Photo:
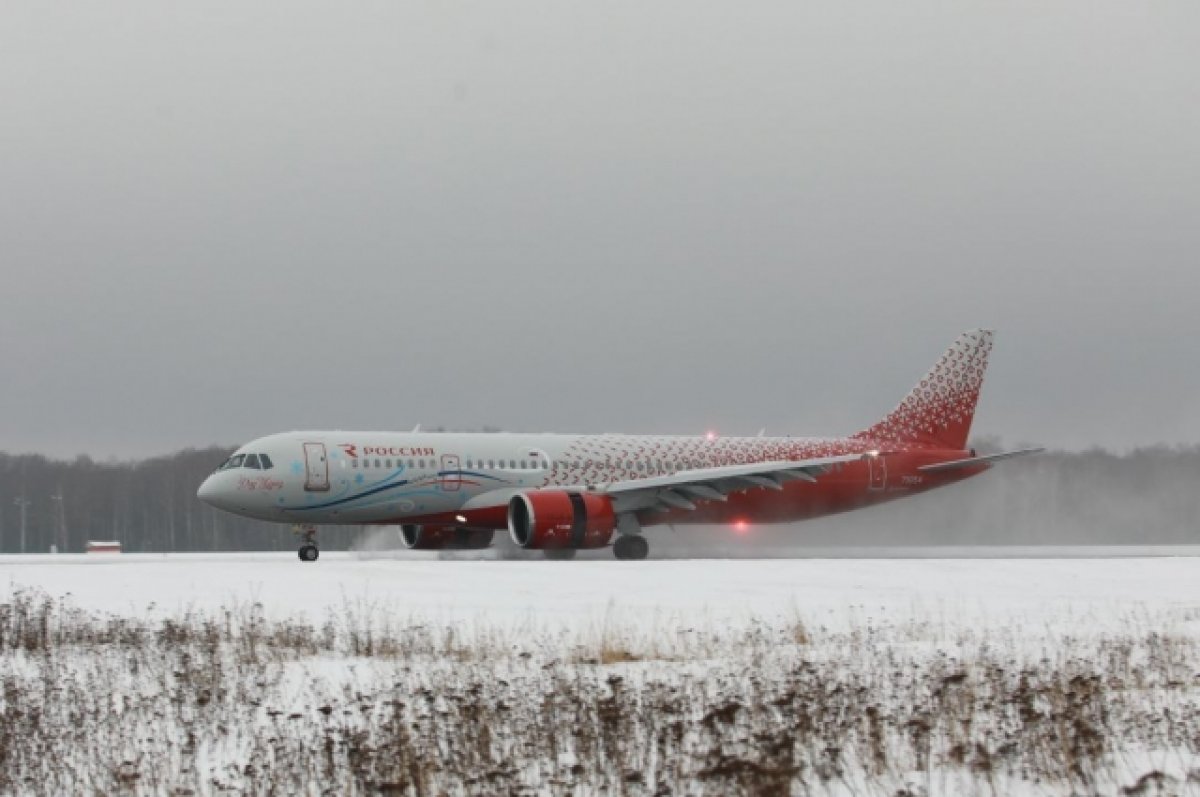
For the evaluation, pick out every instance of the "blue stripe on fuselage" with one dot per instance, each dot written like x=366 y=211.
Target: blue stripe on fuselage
x=379 y=488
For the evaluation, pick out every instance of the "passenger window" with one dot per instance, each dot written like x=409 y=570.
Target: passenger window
x=267 y=464
x=411 y=464
x=387 y=463
x=491 y=464
x=421 y=464
x=524 y=465
x=512 y=463
x=377 y=464
x=252 y=462
x=354 y=464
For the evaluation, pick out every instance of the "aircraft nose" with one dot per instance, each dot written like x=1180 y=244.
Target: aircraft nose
x=208 y=491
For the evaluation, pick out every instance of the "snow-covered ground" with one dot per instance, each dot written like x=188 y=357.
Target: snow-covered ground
x=1042 y=596
x=414 y=675
x=550 y=593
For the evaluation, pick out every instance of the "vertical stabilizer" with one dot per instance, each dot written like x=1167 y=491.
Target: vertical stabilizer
x=939 y=410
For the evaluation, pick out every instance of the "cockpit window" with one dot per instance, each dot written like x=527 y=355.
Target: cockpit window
x=252 y=462
x=267 y=464
x=233 y=462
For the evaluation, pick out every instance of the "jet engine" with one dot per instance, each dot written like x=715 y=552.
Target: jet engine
x=436 y=538
x=560 y=519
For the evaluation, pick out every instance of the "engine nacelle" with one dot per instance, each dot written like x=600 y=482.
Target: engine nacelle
x=437 y=538
x=560 y=519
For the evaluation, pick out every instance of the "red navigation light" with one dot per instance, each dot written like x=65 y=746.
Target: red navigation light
x=711 y=435
x=740 y=527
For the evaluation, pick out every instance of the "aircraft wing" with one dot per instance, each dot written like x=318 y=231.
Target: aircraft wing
x=682 y=489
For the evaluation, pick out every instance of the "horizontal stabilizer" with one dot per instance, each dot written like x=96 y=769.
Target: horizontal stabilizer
x=966 y=463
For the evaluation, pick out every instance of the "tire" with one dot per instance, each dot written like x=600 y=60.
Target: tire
x=308 y=553
x=630 y=547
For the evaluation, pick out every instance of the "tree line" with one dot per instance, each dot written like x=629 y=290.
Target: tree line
x=148 y=505
x=1145 y=496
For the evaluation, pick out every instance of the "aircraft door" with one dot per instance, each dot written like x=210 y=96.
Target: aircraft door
x=316 y=468
x=451 y=473
x=877 y=468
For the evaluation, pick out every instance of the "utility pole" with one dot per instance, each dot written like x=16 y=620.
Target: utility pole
x=23 y=504
x=62 y=519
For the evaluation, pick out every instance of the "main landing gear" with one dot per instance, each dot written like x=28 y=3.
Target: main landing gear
x=630 y=543
x=308 y=550
x=631 y=546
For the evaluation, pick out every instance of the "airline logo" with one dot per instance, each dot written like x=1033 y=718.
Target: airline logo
x=351 y=450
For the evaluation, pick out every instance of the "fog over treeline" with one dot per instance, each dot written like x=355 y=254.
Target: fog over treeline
x=1095 y=497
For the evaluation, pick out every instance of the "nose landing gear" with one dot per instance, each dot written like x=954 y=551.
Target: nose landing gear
x=308 y=550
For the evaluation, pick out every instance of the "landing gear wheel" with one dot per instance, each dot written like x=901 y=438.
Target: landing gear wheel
x=308 y=542
x=629 y=546
x=559 y=554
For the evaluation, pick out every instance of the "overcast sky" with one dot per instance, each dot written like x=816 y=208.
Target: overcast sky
x=220 y=220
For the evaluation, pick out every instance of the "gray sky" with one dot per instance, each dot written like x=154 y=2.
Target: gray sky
x=219 y=220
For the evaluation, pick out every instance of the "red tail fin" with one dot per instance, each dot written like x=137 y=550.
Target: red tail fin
x=939 y=410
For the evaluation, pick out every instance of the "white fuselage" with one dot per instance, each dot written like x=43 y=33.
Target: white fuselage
x=389 y=477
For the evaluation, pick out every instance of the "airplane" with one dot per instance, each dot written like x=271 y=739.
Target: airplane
x=560 y=493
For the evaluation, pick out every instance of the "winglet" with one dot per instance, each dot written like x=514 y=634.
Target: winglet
x=939 y=410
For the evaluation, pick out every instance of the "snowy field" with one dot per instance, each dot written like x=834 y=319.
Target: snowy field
x=544 y=593
x=398 y=674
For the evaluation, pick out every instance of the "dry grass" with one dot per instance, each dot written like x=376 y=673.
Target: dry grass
x=234 y=702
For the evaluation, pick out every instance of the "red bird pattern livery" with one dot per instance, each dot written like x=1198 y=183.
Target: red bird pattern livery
x=939 y=410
